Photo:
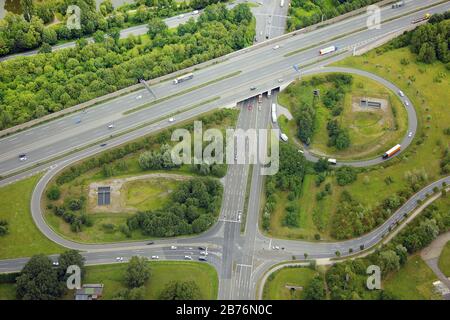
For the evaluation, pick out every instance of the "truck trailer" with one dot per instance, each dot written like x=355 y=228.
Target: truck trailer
x=183 y=78
x=327 y=50
x=392 y=151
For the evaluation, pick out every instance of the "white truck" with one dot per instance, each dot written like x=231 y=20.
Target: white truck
x=282 y=3
x=327 y=50
x=183 y=78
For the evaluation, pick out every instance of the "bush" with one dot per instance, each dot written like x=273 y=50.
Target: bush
x=53 y=193
x=345 y=175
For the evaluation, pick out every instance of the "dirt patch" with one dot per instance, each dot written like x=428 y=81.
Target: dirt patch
x=117 y=205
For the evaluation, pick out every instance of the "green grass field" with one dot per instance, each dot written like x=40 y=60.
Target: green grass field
x=149 y=194
x=444 y=260
x=24 y=239
x=412 y=282
x=162 y=272
x=7 y=291
x=275 y=286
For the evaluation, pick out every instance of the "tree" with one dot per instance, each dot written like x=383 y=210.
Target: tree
x=389 y=261
x=38 y=280
x=427 y=53
x=3 y=227
x=181 y=290
x=315 y=290
x=138 y=272
x=53 y=193
x=345 y=175
x=156 y=26
x=27 y=9
x=69 y=258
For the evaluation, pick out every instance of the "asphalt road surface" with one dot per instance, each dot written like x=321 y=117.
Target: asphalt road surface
x=263 y=67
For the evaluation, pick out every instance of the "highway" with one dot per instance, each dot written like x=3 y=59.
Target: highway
x=240 y=258
x=262 y=67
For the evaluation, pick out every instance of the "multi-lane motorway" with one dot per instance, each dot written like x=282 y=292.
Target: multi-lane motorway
x=240 y=258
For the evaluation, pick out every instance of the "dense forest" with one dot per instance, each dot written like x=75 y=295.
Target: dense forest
x=38 y=24
x=289 y=178
x=31 y=87
x=193 y=208
x=304 y=13
x=429 y=41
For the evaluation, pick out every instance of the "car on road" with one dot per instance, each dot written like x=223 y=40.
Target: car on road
x=280 y=80
x=138 y=97
x=171 y=119
x=103 y=145
x=119 y=259
x=406 y=103
x=181 y=16
x=78 y=120
x=276 y=47
x=410 y=134
x=201 y=248
x=276 y=248
x=195 y=12
x=187 y=258
x=173 y=248
x=151 y=242
x=204 y=253
x=250 y=107
x=155 y=257
x=110 y=126
x=252 y=88
x=400 y=92
x=202 y=258
x=284 y=137
x=23 y=157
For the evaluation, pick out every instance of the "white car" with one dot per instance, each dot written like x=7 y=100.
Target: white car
x=280 y=80
x=155 y=257
x=23 y=157
x=195 y=12
x=119 y=259
x=406 y=103
x=171 y=119
x=187 y=258
x=110 y=126
x=284 y=137
x=400 y=92
x=276 y=47
x=173 y=248
x=138 y=97
x=204 y=253
x=410 y=134
x=276 y=248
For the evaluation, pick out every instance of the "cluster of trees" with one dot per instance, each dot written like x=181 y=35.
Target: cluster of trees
x=3 y=227
x=346 y=175
x=337 y=136
x=428 y=41
x=40 y=280
x=29 y=30
x=292 y=169
x=215 y=169
x=445 y=162
x=193 y=208
x=347 y=280
x=73 y=212
x=181 y=290
x=157 y=160
x=304 y=13
x=31 y=87
x=136 y=275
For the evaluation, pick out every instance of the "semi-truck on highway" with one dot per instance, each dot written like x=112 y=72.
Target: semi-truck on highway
x=183 y=78
x=425 y=17
x=274 y=112
x=327 y=50
x=282 y=3
x=392 y=151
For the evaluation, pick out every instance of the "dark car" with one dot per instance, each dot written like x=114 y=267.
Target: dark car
x=151 y=242
x=103 y=145
x=202 y=248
